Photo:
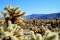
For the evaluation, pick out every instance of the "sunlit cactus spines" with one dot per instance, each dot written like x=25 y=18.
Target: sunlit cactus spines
x=14 y=14
x=39 y=37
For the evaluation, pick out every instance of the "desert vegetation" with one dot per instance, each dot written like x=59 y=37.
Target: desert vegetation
x=14 y=27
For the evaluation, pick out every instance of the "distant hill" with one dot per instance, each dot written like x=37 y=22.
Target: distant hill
x=43 y=16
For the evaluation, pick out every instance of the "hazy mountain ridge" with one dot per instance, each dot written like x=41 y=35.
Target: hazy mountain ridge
x=44 y=16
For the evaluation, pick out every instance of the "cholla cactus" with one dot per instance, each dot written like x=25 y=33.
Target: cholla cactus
x=11 y=27
x=33 y=37
x=1 y=32
x=15 y=14
x=9 y=34
x=39 y=37
x=51 y=36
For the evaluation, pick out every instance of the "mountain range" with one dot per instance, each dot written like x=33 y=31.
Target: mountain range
x=43 y=16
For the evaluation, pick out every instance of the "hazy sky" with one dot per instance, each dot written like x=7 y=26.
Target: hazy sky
x=34 y=6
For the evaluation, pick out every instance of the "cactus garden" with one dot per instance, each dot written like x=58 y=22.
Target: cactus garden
x=15 y=27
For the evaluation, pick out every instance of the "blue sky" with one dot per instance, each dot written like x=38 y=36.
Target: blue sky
x=33 y=6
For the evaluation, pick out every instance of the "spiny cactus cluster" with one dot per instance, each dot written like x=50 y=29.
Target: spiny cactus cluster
x=14 y=15
x=18 y=34
x=10 y=30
